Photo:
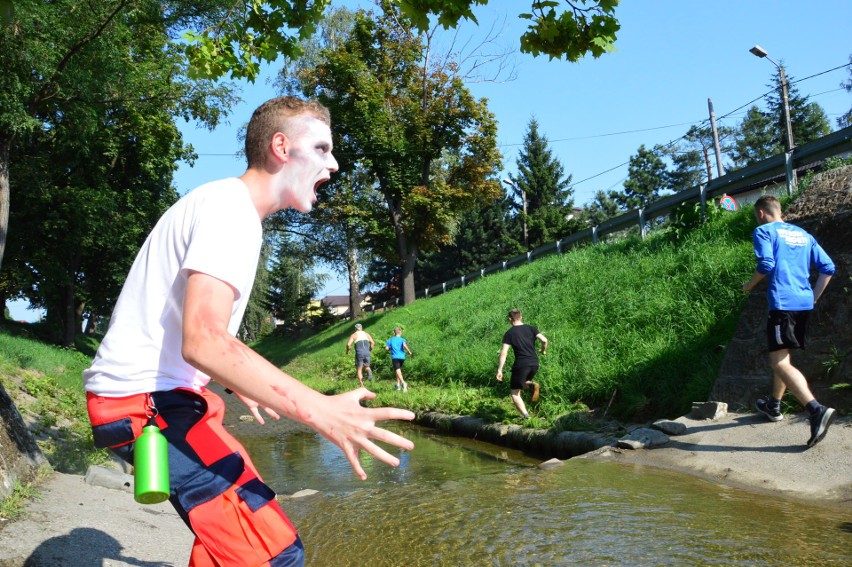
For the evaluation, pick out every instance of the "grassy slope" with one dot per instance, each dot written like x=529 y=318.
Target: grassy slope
x=46 y=383
x=637 y=319
x=635 y=322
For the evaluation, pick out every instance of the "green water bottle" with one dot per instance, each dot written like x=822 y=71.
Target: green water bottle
x=151 y=466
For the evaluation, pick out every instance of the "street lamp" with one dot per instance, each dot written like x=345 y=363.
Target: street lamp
x=524 y=201
x=760 y=52
x=788 y=141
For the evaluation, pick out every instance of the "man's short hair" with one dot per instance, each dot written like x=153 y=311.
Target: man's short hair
x=769 y=204
x=359 y=326
x=515 y=315
x=274 y=116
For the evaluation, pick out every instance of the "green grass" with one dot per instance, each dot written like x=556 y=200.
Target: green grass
x=636 y=322
x=13 y=506
x=47 y=382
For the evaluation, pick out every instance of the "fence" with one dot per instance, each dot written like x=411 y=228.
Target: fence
x=753 y=176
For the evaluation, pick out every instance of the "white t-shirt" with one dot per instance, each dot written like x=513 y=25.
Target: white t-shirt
x=214 y=229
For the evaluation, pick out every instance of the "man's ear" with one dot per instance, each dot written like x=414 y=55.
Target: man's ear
x=280 y=145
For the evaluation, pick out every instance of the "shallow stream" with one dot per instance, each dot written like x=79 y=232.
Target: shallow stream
x=459 y=502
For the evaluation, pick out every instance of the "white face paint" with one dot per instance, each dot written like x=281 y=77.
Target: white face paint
x=310 y=162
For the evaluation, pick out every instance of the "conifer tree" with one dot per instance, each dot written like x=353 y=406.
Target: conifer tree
x=808 y=119
x=646 y=176
x=762 y=133
x=754 y=140
x=548 y=195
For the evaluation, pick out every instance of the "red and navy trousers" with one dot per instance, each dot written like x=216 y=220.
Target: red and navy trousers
x=214 y=485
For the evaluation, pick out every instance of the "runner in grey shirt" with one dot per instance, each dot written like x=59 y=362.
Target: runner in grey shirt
x=363 y=345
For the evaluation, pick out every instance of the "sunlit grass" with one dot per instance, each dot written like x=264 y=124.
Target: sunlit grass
x=633 y=322
x=49 y=381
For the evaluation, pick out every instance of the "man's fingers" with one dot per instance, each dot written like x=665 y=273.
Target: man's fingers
x=392 y=438
x=363 y=393
x=257 y=415
x=386 y=414
x=380 y=454
x=352 y=456
x=271 y=413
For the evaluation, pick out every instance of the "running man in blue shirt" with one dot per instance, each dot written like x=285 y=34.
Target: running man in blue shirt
x=398 y=347
x=785 y=254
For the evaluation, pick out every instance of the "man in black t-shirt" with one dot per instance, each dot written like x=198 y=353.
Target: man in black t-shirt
x=521 y=338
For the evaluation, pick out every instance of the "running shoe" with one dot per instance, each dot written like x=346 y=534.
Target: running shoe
x=773 y=413
x=820 y=422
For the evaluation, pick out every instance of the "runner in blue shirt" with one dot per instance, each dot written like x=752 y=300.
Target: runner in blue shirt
x=398 y=347
x=785 y=254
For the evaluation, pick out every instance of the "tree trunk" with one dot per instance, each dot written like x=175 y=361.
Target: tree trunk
x=407 y=254
x=5 y=149
x=407 y=276
x=91 y=324
x=352 y=267
x=69 y=318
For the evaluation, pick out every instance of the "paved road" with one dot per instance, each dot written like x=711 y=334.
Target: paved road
x=75 y=524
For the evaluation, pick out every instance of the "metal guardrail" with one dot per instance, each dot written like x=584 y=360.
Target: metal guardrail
x=755 y=175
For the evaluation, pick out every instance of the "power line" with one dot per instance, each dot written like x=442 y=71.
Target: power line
x=640 y=130
x=706 y=120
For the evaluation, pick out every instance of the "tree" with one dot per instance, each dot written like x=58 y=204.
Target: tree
x=604 y=206
x=408 y=120
x=754 y=140
x=258 y=320
x=808 y=119
x=762 y=134
x=71 y=71
x=343 y=224
x=549 y=197
x=691 y=157
x=480 y=238
x=255 y=31
x=646 y=177
x=88 y=190
x=293 y=285
x=343 y=227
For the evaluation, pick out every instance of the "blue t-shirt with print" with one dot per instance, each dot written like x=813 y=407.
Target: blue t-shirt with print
x=785 y=255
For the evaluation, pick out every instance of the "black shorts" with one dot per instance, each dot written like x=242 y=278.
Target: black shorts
x=786 y=329
x=397 y=363
x=522 y=375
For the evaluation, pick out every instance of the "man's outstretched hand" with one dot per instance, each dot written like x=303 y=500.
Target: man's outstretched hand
x=345 y=422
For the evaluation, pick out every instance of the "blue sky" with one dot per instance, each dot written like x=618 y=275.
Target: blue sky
x=671 y=56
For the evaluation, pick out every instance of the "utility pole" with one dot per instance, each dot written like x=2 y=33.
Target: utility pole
x=719 y=168
x=787 y=121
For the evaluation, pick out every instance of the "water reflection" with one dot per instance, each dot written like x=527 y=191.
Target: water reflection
x=460 y=502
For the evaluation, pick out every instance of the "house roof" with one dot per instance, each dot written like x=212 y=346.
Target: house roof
x=336 y=300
